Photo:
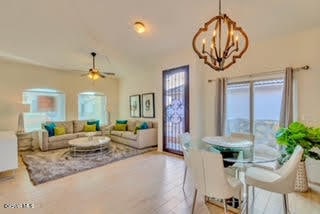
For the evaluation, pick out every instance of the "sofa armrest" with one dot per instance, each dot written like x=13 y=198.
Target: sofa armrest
x=43 y=139
x=147 y=137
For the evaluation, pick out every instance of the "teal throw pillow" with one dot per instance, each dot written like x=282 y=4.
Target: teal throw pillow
x=95 y=122
x=144 y=126
x=121 y=121
x=50 y=128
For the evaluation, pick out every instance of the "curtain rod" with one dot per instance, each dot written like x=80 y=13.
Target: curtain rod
x=306 y=67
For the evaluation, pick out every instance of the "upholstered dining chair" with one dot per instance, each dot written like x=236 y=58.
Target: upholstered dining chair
x=209 y=178
x=280 y=181
x=185 y=142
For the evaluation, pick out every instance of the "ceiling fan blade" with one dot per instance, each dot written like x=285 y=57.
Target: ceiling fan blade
x=109 y=73
x=101 y=75
x=86 y=74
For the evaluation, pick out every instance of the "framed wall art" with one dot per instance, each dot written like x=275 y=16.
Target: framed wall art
x=134 y=102
x=148 y=105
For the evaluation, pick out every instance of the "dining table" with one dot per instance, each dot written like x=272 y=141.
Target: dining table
x=238 y=154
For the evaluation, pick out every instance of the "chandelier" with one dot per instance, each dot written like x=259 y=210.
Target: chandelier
x=222 y=42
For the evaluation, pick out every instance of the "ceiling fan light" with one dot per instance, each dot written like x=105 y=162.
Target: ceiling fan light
x=139 y=27
x=95 y=76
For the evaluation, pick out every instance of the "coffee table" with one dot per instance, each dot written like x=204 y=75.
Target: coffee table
x=85 y=145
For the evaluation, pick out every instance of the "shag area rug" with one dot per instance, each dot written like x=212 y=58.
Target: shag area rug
x=51 y=165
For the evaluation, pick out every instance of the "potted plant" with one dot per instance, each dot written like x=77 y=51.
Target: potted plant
x=309 y=139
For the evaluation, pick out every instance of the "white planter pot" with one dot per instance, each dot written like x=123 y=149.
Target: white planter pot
x=301 y=184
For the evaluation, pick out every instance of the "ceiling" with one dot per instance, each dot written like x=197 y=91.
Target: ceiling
x=62 y=33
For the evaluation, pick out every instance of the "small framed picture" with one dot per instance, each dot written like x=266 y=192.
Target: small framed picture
x=134 y=102
x=148 y=105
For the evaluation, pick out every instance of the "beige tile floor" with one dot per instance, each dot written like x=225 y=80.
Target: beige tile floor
x=148 y=183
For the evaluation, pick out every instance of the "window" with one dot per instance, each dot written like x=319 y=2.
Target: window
x=254 y=107
x=92 y=106
x=45 y=105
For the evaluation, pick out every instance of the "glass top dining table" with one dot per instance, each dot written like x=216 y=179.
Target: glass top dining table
x=236 y=150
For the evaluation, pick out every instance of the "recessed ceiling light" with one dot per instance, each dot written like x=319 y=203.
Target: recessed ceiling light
x=139 y=27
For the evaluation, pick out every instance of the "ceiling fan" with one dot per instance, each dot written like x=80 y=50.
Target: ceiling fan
x=94 y=73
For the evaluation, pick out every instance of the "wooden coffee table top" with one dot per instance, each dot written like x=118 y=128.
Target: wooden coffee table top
x=83 y=142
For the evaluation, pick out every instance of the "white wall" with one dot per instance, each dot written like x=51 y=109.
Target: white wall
x=16 y=77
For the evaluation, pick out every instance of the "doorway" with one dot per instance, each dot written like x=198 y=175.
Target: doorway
x=175 y=107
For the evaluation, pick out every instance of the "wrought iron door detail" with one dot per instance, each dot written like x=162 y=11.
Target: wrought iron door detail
x=175 y=107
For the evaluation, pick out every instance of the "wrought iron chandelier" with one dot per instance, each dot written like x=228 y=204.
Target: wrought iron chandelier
x=222 y=51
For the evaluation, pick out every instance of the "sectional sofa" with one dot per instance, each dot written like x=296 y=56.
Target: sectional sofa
x=74 y=129
x=141 y=139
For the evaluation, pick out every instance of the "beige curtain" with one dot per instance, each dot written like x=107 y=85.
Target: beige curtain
x=221 y=105
x=286 y=115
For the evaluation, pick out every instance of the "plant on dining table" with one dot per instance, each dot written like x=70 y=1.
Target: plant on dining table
x=299 y=134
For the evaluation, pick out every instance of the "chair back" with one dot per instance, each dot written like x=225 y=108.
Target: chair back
x=197 y=170
x=185 y=142
x=288 y=171
x=216 y=182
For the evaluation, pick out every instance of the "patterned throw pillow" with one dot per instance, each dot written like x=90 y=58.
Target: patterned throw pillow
x=120 y=127
x=50 y=128
x=59 y=130
x=90 y=128
x=95 y=122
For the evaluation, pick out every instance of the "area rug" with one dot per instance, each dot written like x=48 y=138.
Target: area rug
x=51 y=165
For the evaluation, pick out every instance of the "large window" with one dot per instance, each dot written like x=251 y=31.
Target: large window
x=45 y=105
x=92 y=106
x=254 y=107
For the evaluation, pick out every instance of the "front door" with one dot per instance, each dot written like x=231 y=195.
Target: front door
x=175 y=107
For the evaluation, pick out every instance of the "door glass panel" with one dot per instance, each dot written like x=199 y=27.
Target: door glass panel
x=267 y=106
x=238 y=108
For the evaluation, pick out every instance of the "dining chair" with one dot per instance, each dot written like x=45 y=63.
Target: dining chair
x=185 y=142
x=280 y=181
x=209 y=178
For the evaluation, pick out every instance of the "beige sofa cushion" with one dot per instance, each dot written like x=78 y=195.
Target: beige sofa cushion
x=62 y=137
x=131 y=125
x=129 y=135
x=68 y=125
x=116 y=133
x=84 y=134
x=78 y=125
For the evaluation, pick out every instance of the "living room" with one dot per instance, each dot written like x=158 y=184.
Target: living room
x=40 y=50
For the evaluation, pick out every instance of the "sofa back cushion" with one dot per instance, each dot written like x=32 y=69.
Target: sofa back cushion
x=78 y=125
x=131 y=125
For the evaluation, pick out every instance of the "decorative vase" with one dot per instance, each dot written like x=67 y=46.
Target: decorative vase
x=301 y=184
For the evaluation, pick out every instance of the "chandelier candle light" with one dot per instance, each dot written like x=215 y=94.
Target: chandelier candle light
x=223 y=51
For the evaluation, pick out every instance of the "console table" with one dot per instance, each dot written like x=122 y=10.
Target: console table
x=8 y=151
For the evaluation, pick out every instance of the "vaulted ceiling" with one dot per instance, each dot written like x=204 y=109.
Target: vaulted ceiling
x=62 y=33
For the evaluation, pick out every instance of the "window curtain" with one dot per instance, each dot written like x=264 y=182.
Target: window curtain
x=221 y=105
x=286 y=115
